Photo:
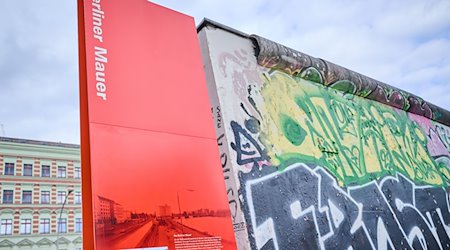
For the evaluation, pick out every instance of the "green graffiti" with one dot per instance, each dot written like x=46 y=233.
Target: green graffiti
x=312 y=74
x=358 y=140
x=293 y=132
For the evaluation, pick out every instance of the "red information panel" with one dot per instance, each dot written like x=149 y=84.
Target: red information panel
x=152 y=178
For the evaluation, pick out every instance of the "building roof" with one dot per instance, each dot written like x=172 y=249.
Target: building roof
x=36 y=142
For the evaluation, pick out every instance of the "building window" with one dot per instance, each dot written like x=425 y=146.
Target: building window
x=77 y=197
x=26 y=197
x=27 y=170
x=78 y=225
x=8 y=196
x=25 y=226
x=61 y=172
x=62 y=225
x=77 y=173
x=9 y=168
x=6 y=227
x=45 y=171
x=61 y=196
x=44 y=227
x=45 y=197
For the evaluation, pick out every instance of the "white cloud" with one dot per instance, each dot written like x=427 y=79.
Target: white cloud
x=38 y=70
x=414 y=19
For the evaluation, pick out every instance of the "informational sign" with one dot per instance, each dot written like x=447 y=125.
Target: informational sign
x=152 y=177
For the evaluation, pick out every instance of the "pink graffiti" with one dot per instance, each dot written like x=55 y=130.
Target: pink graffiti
x=260 y=164
x=242 y=71
x=434 y=144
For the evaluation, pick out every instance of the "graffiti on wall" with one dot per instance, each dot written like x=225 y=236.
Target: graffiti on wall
x=356 y=139
x=278 y=57
x=313 y=211
x=382 y=178
x=327 y=158
x=238 y=223
x=292 y=118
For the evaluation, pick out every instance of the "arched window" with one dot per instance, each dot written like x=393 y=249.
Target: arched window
x=44 y=221
x=6 y=221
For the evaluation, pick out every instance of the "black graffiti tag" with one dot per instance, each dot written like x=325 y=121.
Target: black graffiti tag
x=303 y=207
x=247 y=149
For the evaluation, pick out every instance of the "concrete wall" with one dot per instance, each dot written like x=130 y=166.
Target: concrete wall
x=317 y=156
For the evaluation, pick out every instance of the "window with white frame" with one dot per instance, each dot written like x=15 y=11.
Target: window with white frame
x=61 y=172
x=45 y=170
x=6 y=227
x=27 y=170
x=8 y=196
x=78 y=225
x=44 y=226
x=77 y=173
x=62 y=225
x=9 y=168
x=26 y=196
x=25 y=226
x=61 y=196
x=77 y=198
x=45 y=197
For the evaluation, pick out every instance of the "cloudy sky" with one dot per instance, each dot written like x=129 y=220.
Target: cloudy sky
x=402 y=43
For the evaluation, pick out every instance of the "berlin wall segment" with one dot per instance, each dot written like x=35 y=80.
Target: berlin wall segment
x=316 y=156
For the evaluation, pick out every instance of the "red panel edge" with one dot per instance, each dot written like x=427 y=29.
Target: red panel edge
x=86 y=184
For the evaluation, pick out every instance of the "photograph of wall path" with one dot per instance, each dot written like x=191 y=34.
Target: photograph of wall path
x=316 y=156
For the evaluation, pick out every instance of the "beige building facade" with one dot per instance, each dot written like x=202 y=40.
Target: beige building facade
x=40 y=190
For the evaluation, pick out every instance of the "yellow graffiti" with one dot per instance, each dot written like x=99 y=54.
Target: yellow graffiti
x=356 y=139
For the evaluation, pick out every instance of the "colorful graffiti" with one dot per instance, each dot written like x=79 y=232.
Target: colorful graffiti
x=323 y=157
x=382 y=176
x=278 y=57
x=356 y=139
